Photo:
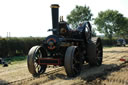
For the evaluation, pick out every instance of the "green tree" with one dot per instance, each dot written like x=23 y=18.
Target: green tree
x=110 y=22
x=79 y=14
x=124 y=31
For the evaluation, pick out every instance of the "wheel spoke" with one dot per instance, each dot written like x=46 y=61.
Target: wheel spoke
x=75 y=67
x=40 y=54
x=38 y=67
x=35 y=64
x=76 y=63
x=97 y=45
x=36 y=56
x=76 y=70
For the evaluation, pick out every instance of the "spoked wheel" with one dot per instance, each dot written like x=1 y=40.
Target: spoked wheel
x=95 y=52
x=34 y=54
x=73 y=62
x=99 y=52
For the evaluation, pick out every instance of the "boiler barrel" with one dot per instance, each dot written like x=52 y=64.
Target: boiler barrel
x=55 y=15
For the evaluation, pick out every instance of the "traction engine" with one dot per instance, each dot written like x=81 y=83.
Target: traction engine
x=65 y=47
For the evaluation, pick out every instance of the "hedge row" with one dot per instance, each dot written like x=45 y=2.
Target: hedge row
x=21 y=46
x=17 y=46
x=113 y=42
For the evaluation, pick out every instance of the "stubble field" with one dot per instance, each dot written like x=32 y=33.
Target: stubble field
x=113 y=71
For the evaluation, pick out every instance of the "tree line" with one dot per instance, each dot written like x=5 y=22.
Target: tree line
x=110 y=22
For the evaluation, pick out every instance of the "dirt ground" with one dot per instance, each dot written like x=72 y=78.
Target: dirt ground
x=113 y=71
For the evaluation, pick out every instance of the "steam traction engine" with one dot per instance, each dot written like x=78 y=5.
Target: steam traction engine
x=65 y=48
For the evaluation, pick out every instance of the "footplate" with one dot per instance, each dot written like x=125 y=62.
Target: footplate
x=49 y=61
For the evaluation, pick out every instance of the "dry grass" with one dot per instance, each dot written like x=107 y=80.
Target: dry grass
x=110 y=73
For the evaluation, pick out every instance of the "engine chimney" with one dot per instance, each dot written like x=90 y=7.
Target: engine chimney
x=55 y=15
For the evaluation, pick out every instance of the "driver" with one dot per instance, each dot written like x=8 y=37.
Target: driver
x=80 y=28
x=86 y=28
x=83 y=25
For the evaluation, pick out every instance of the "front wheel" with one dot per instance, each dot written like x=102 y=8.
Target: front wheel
x=72 y=62
x=34 y=54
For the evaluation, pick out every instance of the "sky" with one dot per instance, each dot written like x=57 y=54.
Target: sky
x=24 y=18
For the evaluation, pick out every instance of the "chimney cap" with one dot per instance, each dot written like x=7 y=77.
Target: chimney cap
x=55 y=6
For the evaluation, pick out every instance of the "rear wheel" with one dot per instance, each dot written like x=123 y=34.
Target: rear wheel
x=95 y=52
x=99 y=52
x=87 y=31
x=72 y=61
x=34 y=54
